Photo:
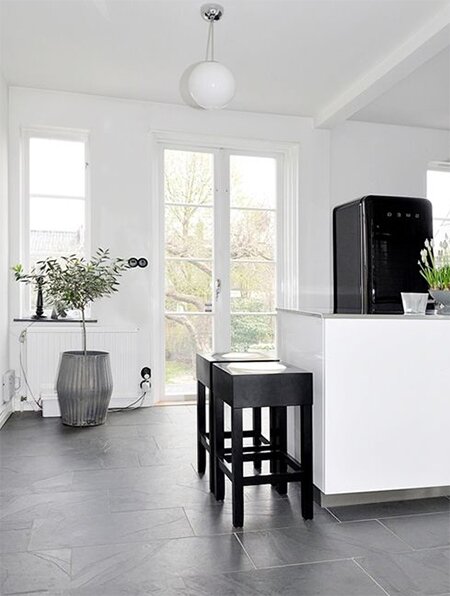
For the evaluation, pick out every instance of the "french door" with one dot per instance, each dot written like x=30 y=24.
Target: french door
x=220 y=225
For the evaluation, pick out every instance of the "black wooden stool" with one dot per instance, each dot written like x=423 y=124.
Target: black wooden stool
x=205 y=441
x=241 y=387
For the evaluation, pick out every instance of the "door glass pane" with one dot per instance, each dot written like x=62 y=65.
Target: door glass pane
x=252 y=287
x=252 y=234
x=188 y=177
x=253 y=333
x=57 y=167
x=189 y=240
x=185 y=336
x=253 y=181
x=188 y=286
x=189 y=231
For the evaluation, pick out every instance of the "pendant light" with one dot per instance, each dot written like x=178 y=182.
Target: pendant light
x=211 y=84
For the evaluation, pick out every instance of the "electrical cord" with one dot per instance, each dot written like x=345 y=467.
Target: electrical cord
x=22 y=337
x=130 y=406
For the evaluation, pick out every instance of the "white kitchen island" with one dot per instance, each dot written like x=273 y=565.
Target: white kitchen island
x=381 y=402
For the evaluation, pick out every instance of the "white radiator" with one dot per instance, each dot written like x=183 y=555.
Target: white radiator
x=43 y=347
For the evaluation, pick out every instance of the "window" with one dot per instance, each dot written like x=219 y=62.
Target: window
x=438 y=192
x=57 y=195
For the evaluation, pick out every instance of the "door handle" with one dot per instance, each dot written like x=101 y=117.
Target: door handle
x=218 y=288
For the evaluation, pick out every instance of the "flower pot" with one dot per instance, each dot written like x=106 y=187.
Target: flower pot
x=84 y=387
x=442 y=297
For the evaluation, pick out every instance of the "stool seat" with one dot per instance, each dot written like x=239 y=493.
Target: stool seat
x=291 y=386
x=204 y=362
x=253 y=387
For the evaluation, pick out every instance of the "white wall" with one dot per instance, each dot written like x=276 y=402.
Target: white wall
x=4 y=356
x=121 y=187
x=357 y=158
x=369 y=158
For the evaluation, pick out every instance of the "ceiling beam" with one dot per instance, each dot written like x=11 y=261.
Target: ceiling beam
x=425 y=43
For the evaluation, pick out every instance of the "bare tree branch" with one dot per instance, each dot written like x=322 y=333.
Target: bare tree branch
x=199 y=304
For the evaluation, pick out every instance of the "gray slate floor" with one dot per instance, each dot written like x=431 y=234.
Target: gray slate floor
x=120 y=510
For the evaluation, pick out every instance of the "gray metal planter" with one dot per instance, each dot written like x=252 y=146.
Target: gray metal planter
x=442 y=297
x=84 y=387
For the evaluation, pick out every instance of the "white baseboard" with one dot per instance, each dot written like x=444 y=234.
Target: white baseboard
x=5 y=413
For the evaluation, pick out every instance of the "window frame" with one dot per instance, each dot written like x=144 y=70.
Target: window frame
x=24 y=216
x=437 y=167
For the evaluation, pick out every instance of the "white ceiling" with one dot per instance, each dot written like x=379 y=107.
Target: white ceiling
x=288 y=56
x=421 y=99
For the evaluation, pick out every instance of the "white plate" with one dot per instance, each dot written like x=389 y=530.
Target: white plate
x=242 y=355
x=257 y=367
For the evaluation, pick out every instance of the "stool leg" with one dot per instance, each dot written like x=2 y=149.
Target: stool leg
x=201 y=427
x=256 y=414
x=306 y=461
x=257 y=429
x=237 y=463
x=281 y=414
x=273 y=436
x=219 y=443
x=212 y=456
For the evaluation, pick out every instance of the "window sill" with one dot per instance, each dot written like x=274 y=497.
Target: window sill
x=50 y=320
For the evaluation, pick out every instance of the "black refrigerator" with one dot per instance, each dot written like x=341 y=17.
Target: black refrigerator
x=376 y=247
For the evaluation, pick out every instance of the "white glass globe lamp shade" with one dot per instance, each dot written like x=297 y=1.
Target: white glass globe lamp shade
x=211 y=85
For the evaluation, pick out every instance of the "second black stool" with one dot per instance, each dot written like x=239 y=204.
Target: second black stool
x=205 y=441
x=240 y=387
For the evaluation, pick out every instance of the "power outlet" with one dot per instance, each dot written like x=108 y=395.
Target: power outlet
x=8 y=386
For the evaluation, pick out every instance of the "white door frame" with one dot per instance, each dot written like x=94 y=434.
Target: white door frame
x=287 y=155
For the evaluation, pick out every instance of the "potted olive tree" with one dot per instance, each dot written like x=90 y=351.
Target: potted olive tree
x=84 y=384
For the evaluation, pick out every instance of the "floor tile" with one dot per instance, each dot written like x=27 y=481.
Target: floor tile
x=35 y=481
x=422 y=531
x=14 y=541
x=168 y=486
x=147 y=568
x=132 y=478
x=19 y=511
x=150 y=415
x=185 y=413
x=275 y=513
x=33 y=572
x=424 y=573
x=319 y=542
x=173 y=436
x=166 y=457
x=21 y=421
x=263 y=492
x=63 y=438
x=180 y=495
x=63 y=529
x=112 y=451
x=338 y=578
x=391 y=509
x=304 y=580
x=39 y=467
